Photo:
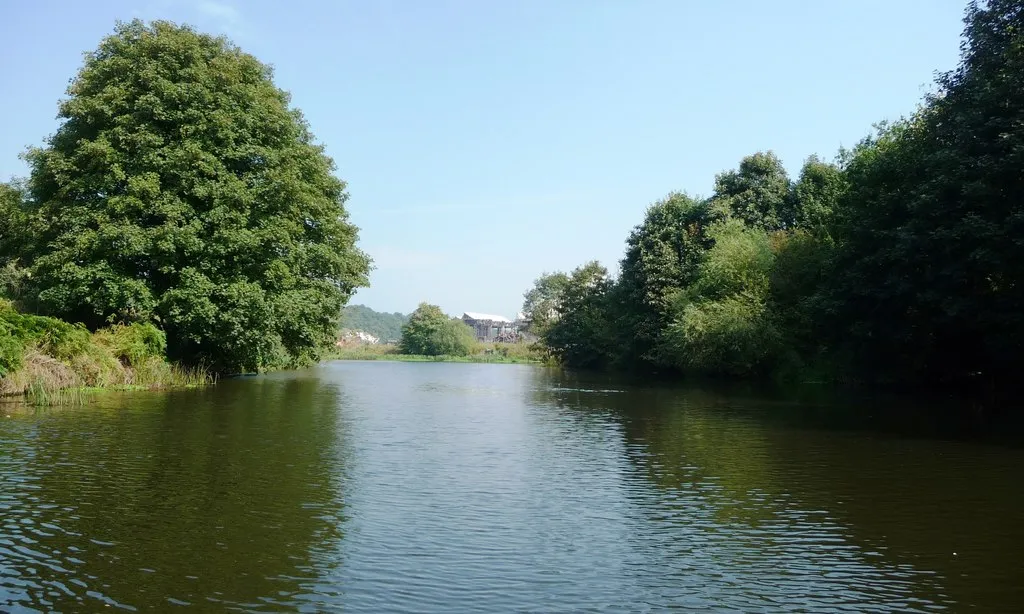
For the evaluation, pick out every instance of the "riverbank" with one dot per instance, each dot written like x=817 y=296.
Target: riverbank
x=501 y=353
x=51 y=361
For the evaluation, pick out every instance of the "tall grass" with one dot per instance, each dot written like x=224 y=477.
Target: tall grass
x=53 y=362
x=512 y=353
x=363 y=351
x=44 y=380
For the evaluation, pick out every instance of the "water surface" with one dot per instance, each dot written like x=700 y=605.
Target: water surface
x=416 y=487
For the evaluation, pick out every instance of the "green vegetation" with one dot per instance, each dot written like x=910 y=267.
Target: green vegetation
x=541 y=302
x=901 y=263
x=40 y=356
x=182 y=208
x=387 y=327
x=431 y=333
x=181 y=190
x=503 y=353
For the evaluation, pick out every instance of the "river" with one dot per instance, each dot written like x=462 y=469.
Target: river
x=412 y=487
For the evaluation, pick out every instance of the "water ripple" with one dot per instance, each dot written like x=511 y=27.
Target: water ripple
x=376 y=487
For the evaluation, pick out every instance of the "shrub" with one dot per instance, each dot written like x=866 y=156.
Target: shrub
x=431 y=333
x=133 y=343
x=11 y=350
x=53 y=337
x=730 y=336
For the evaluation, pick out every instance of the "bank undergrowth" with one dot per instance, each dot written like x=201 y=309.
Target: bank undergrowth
x=46 y=359
x=505 y=353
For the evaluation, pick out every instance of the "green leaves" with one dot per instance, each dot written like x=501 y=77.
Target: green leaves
x=430 y=332
x=816 y=194
x=14 y=222
x=757 y=193
x=929 y=277
x=540 y=303
x=904 y=262
x=387 y=327
x=582 y=334
x=663 y=255
x=181 y=189
x=728 y=336
x=720 y=322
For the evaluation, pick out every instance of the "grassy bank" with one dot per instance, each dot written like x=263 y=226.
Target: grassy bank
x=49 y=360
x=506 y=353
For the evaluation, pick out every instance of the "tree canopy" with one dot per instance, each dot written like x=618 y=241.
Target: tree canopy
x=13 y=222
x=181 y=189
x=758 y=192
x=385 y=326
x=540 y=303
x=582 y=334
x=662 y=255
x=901 y=262
x=930 y=265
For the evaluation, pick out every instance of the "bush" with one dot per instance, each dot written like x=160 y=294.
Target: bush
x=132 y=344
x=431 y=333
x=53 y=337
x=41 y=355
x=11 y=350
x=730 y=336
x=740 y=261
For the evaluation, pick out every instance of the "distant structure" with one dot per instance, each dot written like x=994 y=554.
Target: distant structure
x=350 y=337
x=491 y=328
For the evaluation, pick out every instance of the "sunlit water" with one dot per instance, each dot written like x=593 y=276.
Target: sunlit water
x=392 y=487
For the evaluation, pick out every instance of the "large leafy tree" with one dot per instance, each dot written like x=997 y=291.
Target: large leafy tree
x=931 y=256
x=181 y=189
x=540 y=303
x=663 y=255
x=582 y=334
x=758 y=192
x=15 y=239
x=14 y=232
x=816 y=194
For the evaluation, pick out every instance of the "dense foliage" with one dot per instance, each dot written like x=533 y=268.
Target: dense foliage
x=901 y=262
x=581 y=335
x=384 y=326
x=930 y=265
x=540 y=304
x=662 y=255
x=39 y=355
x=429 y=332
x=181 y=190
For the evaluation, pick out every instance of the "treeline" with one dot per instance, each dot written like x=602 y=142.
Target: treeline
x=40 y=355
x=384 y=326
x=902 y=261
x=183 y=197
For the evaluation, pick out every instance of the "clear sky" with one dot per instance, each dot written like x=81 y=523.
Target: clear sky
x=487 y=141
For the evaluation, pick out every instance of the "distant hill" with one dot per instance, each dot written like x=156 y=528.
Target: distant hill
x=384 y=326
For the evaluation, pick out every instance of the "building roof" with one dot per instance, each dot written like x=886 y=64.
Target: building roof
x=485 y=316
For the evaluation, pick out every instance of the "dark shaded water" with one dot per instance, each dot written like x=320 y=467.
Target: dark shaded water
x=391 y=487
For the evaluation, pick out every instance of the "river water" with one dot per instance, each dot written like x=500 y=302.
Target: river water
x=410 y=487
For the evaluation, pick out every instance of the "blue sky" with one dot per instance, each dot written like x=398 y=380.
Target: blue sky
x=485 y=142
